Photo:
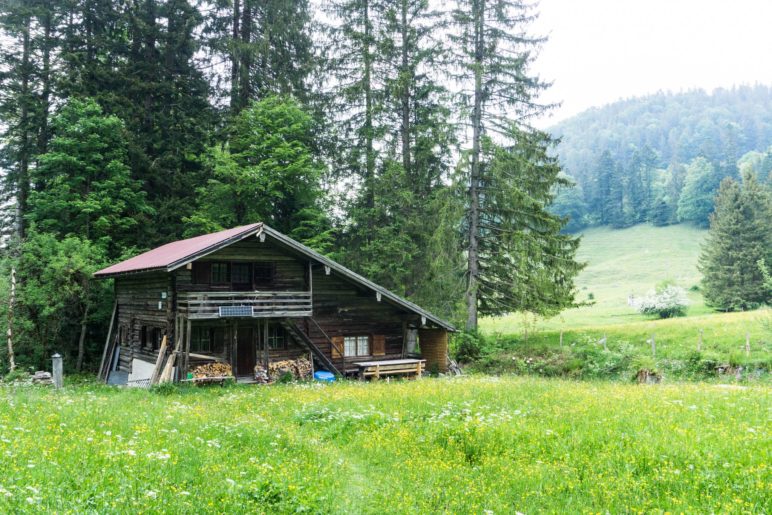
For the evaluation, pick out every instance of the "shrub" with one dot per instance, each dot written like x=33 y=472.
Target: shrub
x=16 y=375
x=468 y=347
x=666 y=302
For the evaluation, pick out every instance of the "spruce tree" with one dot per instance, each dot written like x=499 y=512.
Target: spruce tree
x=391 y=228
x=492 y=52
x=740 y=236
x=266 y=46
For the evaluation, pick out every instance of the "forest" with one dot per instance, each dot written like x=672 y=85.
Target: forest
x=393 y=135
x=661 y=158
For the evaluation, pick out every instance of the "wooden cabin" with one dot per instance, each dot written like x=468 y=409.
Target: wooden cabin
x=251 y=295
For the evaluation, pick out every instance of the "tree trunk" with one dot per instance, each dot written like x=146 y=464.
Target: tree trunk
x=245 y=57
x=473 y=272
x=82 y=339
x=368 y=126
x=235 y=56
x=11 y=305
x=406 y=76
x=22 y=187
x=45 y=79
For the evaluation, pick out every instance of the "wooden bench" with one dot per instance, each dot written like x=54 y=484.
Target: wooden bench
x=377 y=369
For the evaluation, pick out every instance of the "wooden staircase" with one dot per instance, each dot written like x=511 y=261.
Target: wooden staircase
x=302 y=338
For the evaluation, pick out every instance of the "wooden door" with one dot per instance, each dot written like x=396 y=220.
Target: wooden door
x=245 y=352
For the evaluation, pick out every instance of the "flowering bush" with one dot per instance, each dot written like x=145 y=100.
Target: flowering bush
x=666 y=302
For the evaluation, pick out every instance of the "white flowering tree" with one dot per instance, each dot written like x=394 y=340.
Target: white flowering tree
x=666 y=302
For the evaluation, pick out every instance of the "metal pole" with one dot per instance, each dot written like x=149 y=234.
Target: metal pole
x=57 y=370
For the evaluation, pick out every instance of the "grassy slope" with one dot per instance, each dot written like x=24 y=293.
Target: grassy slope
x=461 y=446
x=634 y=260
x=621 y=262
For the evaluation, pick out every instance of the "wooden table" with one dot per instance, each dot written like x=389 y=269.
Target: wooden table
x=389 y=367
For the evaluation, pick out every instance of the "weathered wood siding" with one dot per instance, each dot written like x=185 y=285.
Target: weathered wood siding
x=138 y=297
x=290 y=273
x=340 y=307
x=344 y=309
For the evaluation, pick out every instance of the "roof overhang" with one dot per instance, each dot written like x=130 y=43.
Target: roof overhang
x=261 y=230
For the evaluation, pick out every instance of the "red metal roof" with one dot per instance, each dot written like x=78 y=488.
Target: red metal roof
x=165 y=256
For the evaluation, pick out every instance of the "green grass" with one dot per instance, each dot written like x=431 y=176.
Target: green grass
x=620 y=263
x=465 y=445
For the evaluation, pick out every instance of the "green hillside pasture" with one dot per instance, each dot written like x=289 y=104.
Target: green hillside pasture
x=628 y=346
x=620 y=263
x=465 y=445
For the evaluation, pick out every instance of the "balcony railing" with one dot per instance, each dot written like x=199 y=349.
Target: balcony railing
x=252 y=304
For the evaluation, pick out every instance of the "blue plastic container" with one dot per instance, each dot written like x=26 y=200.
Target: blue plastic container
x=323 y=375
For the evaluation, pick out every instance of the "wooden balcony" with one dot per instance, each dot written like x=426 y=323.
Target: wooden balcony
x=248 y=304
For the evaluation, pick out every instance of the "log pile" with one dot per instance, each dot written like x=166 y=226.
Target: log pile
x=42 y=377
x=212 y=370
x=646 y=376
x=298 y=369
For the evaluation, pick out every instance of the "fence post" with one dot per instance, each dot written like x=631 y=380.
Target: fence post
x=57 y=370
x=699 y=342
x=747 y=343
x=653 y=346
x=561 y=339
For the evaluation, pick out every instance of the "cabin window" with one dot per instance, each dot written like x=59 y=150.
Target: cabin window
x=220 y=273
x=201 y=273
x=356 y=346
x=240 y=275
x=276 y=338
x=264 y=274
x=207 y=339
x=144 y=337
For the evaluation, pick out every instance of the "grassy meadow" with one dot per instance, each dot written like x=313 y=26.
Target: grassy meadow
x=462 y=445
x=620 y=263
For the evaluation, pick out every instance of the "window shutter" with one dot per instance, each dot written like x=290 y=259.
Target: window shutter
x=337 y=347
x=379 y=345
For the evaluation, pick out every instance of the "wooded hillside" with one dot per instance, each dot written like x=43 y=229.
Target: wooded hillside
x=661 y=158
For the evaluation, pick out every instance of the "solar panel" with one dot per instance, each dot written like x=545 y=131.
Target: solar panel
x=235 y=311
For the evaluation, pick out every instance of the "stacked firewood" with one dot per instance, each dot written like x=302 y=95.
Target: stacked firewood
x=261 y=374
x=212 y=370
x=298 y=369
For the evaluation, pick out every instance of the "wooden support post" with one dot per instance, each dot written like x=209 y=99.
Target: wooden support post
x=561 y=339
x=265 y=343
x=653 y=346
x=377 y=372
x=699 y=342
x=747 y=343
x=188 y=330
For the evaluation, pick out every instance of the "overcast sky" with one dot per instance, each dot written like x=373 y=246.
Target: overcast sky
x=602 y=50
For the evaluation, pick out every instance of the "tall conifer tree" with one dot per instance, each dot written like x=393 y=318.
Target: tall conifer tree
x=493 y=52
x=740 y=236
